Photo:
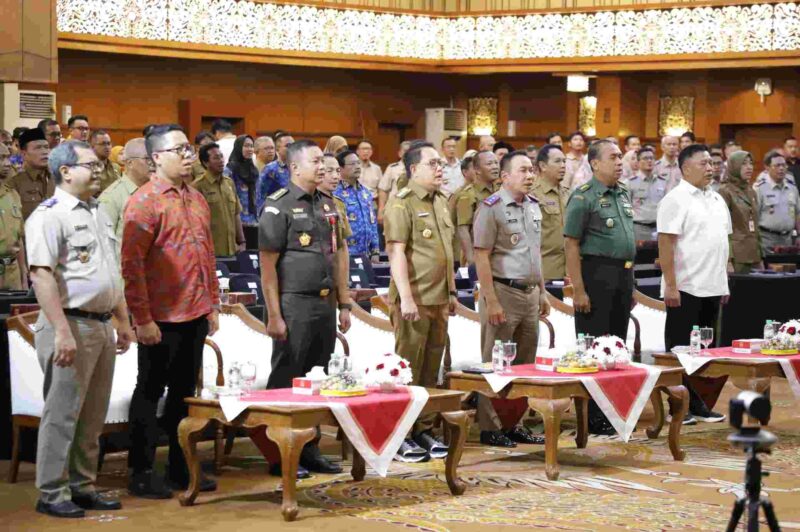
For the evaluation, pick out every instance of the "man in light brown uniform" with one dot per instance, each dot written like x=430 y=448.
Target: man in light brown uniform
x=33 y=183
x=467 y=200
x=508 y=229
x=552 y=197
x=422 y=292
x=13 y=272
x=101 y=144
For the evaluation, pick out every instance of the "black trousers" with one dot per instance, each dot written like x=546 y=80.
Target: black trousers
x=174 y=363
x=311 y=325
x=609 y=286
x=702 y=311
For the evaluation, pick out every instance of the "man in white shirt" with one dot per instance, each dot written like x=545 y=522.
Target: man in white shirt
x=223 y=133
x=693 y=227
x=453 y=180
x=370 y=172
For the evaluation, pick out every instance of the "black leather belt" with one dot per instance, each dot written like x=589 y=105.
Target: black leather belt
x=77 y=313
x=781 y=233
x=515 y=284
x=622 y=263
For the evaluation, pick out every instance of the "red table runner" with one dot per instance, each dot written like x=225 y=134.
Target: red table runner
x=375 y=424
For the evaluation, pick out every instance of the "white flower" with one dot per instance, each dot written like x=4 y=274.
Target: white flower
x=389 y=368
x=610 y=351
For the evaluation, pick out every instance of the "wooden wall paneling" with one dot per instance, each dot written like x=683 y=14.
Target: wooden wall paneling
x=29 y=43
x=633 y=108
x=609 y=102
x=652 y=110
x=571 y=122
x=11 y=43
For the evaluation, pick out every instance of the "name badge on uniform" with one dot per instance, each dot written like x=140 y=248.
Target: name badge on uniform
x=300 y=216
x=427 y=233
x=605 y=203
x=298 y=209
x=305 y=239
x=81 y=227
x=423 y=214
x=752 y=226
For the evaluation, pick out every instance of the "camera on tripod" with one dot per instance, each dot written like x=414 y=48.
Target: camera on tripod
x=753 y=440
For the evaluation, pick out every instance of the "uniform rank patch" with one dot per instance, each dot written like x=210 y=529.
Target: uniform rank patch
x=271 y=210
x=491 y=200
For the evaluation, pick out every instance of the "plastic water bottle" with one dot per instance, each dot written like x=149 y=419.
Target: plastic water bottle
x=580 y=345
x=497 y=357
x=769 y=331
x=335 y=364
x=694 y=341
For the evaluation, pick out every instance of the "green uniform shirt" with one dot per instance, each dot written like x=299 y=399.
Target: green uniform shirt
x=421 y=221
x=601 y=218
x=113 y=200
x=220 y=193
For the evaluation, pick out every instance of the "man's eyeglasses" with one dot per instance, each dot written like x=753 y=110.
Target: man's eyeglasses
x=435 y=163
x=95 y=166
x=54 y=134
x=103 y=144
x=81 y=128
x=186 y=150
x=333 y=170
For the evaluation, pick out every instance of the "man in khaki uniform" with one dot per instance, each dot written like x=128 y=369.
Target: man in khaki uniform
x=667 y=167
x=137 y=173
x=101 y=144
x=507 y=230
x=468 y=171
x=220 y=193
x=552 y=198
x=394 y=178
x=646 y=189
x=200 y=140
x=33 y=183
x=370 y=172
x=13 y=272
x=422 y=292
x=487 y=173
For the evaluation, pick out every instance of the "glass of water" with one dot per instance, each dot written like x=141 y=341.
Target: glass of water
x=234 y=377
x=509 y=354
x=248 y=372
x=589 y=339
x=706 y=336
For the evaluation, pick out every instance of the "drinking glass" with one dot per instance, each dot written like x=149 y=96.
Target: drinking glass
x=509 y=354
x=706 y=336
x=589 y=339
x=776 y=325
x=248 y=373
x=234 y=380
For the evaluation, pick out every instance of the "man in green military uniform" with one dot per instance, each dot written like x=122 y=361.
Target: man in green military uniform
x=33 y=183
x=419 y=234
x=13 y=272
x=300 y=243
x=467 y=200
x=101 y=144
x=600 y=248
x=220 y=193
x=552 y=199
x=137 y=173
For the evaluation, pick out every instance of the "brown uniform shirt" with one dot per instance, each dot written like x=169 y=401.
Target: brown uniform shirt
x=11 y=231
x=553 y=202
x=745 y=239
x=110 y=173
x=33 y=187
x=468 y=198
x=220 y=194
x=421 y=221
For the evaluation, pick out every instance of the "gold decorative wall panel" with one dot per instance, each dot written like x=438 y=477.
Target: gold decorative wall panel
x=587 y=115
x=295 y=28
x=675 y=115
x=482 y=116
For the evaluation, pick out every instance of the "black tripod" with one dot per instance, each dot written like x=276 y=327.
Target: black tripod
x=754 y=441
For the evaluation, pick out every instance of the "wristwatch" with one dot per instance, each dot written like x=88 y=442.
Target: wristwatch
x=454 y=293
x=345 y=306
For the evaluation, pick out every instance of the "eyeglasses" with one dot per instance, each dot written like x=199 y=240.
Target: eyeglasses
x=353 y=163
x=81 y=128
x=333 y=170
x=185 y=150
x=435 y=163
x=95 y=166
x=54 y=134
x=102 y=143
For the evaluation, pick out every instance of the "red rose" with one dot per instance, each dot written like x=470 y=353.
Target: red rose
x=366 y=370
x=619 y=345
x=395 y=372
x=387 y=355
x=403 y=365
x=379 y=366
x=791 y=330
x=607 y=350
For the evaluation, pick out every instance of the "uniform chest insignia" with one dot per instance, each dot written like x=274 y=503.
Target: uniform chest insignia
x=81 y=227
x=352 y=216
x=49 y=202
x=305 y=239
x=271 y=210
x=584 y=188
x=405 y=191
x=326 y=207
x=298 y=209
x=427 y=233
x=610 y=223
x=491 y=200
x=278 y=194
x=83 y=255
x=550 y=202
x=423 y=214
x=514 y=239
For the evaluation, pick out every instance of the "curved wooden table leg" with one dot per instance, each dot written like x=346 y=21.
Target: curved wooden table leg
x=582 y=415
x=188 y=433
x=458 y=425
x=679 y=405
x=290 y=442
x=359 y=469
x=551 y=410
x=658 y=407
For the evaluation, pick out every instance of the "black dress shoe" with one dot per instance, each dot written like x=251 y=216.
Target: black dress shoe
x=496 y=438
x=206 y=484
x=602 y=428
x=311 y=458
x=276 y=471
x=60 y=509
x=148 y=485
x=93 y=501
x=520 y=434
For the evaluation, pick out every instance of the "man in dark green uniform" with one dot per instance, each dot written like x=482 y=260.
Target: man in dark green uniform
x=600 y=248
x=299 y=238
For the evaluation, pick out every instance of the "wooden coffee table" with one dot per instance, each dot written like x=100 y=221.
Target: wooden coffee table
x=551 y=397
x=291 y=427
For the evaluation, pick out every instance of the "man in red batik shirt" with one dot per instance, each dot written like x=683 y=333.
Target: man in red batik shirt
x=172 y=292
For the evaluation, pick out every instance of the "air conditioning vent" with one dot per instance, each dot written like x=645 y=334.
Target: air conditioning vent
x=455 y=120
x=34 y=105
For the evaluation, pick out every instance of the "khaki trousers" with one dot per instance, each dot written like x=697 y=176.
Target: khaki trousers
x=521 y=326
x=422 y=343
x=75 y=406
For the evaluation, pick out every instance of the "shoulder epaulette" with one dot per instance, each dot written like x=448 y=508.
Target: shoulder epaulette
x=394 y=164
x=405 y=191
x=623 y=186
x=585 y=187
x=491 y=200
x=49 y=202
x=278 y=194
x=533 y=198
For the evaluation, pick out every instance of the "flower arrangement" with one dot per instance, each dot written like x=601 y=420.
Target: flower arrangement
x=388 y=370
x=610 y=352
x=791 y=328
x=785 y=342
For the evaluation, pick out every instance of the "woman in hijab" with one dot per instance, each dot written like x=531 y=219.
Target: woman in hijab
x=739 y=196
x=241 y=169
x=335 y=145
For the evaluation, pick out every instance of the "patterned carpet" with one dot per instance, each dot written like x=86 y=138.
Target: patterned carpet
x=609 y=485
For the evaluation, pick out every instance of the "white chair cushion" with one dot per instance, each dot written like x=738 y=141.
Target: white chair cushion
x=238 y=343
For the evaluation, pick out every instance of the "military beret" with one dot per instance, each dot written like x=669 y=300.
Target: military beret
x=31 y=135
